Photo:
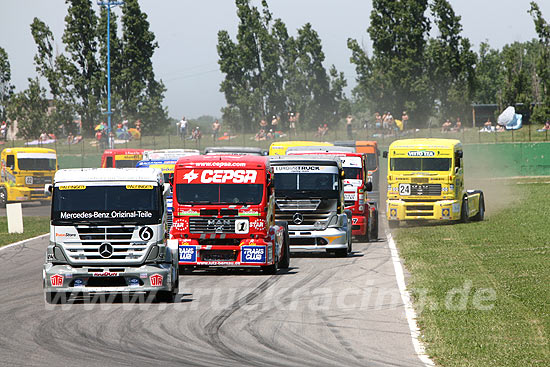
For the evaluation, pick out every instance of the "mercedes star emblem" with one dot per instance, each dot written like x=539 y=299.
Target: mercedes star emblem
x=298 y=218
x=106 y=250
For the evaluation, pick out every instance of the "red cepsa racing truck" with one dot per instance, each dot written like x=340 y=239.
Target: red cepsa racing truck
x=357 y=184
x=223 y=214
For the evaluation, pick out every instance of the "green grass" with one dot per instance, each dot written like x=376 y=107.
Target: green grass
x=508 y=254
x=33 y=226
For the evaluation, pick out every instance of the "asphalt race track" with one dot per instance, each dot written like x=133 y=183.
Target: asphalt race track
x=323 y=311
x=32 y=209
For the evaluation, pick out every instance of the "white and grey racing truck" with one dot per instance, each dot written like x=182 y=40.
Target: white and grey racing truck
x=108 y=235
x=309 y=196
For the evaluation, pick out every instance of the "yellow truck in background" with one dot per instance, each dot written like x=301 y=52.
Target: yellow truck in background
x=426 y=182
x=280 y=147
x=24 y=172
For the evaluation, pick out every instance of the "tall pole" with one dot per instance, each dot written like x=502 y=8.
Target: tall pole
x=109 y=3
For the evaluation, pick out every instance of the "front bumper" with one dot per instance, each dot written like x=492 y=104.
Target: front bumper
x=17 y=193
x=146 y=278
x=359 y=225
x=248 y=253
x=397 y=209
x=317 y=240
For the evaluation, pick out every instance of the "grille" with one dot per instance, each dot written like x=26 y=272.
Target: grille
x=41 y=180
x=219 y=255
x=427 y=189
x=309 y=218
x=297 y=205
x=420 y=207
x=211 y=225
x=419 y=214
x=86 y=248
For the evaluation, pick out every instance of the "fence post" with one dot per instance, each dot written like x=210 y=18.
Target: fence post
x=512 y=136
x=529 y=131
x=168 y=141
x=82 y=154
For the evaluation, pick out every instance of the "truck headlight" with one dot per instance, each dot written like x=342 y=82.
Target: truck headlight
x=318 y=225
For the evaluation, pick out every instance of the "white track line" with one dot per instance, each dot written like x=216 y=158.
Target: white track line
x=406 y=297
x=23 y=241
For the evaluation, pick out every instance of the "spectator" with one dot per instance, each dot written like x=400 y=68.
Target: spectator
x=3 y=130
x=263 y=124
x=215 y=129
x=546 y=125
x=388 y=121
x=196 y=134
x=274 y=122
x=405 y=120
x=138 y=125
x=70 y=138
x=377 y=120
x=349 y=119
x=458 y=125
x=182 y=128
x=292 y=123
x=488 y=124
x=446 y=127
x=260 y=135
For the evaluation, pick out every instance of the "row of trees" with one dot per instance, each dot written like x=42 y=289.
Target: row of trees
x=268 y=72
x=77 y=78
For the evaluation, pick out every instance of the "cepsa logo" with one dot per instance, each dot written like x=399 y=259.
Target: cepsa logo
x=222 y=176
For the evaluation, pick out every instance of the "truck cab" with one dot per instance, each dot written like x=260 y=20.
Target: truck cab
x=370 y=149
x=309 y=196
x=224 y=214
x=121 y=158
x=108 y=234
x=426 y=182
x=165 y=160
x=24 y=172
x=357 y=188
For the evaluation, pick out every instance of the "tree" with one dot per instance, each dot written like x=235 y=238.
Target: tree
x=394 y=77
x=451 y=63
x=489 y=75
x=30 y=109
x=141 y=95
x=542 y=79
x=6 y=88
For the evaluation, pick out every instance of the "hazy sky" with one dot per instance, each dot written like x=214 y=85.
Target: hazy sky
x=186 y=31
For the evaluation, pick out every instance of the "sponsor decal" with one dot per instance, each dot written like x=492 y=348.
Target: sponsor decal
x=132 y=157
x=156 y=280
x=56 y=280
x=143 y=275
x=180 y=225
x=65 y=235
x=222 y=164
x=106 y=274
x=72 y=187
x=305 y=169
x=350 y=196
x=133 y=282
x=106 y=215
x=253 y=254
x=28 y=180
x=188 y=212
x=445 y=213
x=456 y=208
x=187 y=253
x=421 y=153
x=139 y=187
x=249 y=213
x=190 y=176
x=236 y=263
x=351 y=162
x=146 y=233
x=393 y=213
x=352 y=182
x=68 y=275
x=354 y=220
x=78 y=283
x=228 y=176
x=258 y=224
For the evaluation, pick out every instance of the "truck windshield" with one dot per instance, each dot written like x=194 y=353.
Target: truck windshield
x=123 y=163
x=36 y=164
x=420 y=164
x=112 y=204
x=353 y=173
x=313 y=184
x=246 y=194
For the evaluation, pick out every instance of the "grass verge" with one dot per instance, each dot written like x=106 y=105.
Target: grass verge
x=33 y=227
x=482 y=289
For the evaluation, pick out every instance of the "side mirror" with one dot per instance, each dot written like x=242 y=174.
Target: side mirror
x=368 y=186
x=385 y=154
x=171 y=178
x=459 y=154
x=456 y=169
x=12 y=167
x=48 y=189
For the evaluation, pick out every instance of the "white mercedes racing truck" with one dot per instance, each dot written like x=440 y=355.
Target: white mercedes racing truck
x=108 y=235
x=309 y=196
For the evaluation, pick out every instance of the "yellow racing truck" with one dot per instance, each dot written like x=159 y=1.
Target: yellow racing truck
x=24 y=172
x=426 y=182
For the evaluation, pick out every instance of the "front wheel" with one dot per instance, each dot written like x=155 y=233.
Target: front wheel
x=270 y=269
x=165 y=296
x=464 y=211
x=284 y=263
x=341 y=252
x=481 y=212
x=374 y=227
